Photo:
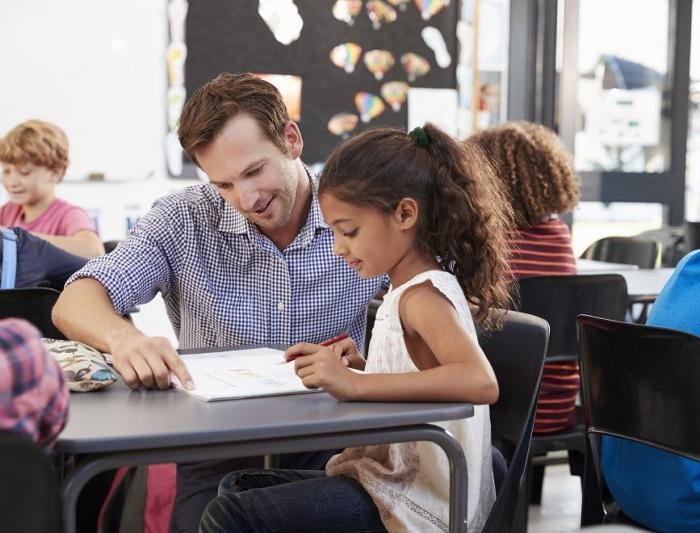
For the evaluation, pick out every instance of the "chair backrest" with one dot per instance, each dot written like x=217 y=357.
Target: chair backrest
x=33 y=304
x=641 y=383
x=30 y=500
x=645 y=253
x=110 y=245
x=560 y=299
x=372 y=307
x=516 y=353
x=692 y=235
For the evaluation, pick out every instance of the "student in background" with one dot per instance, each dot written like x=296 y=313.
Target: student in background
x=657 y=489
x=538 y=175
x=34 y=158
x=33 y=392
x=423 y=209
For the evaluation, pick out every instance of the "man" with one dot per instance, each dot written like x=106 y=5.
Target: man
x=246 y=259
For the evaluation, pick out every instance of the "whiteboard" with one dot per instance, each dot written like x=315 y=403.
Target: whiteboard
x=97 y=69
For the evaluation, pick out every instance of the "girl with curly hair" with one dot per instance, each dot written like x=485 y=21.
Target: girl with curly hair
x=424 y=209
x=537 y=173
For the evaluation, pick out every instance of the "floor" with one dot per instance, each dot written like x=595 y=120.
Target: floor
x=561 y=503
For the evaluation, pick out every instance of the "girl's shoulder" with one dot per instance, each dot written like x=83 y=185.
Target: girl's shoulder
x=427 y=285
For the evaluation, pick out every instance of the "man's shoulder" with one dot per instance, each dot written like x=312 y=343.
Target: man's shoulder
x=193 y=202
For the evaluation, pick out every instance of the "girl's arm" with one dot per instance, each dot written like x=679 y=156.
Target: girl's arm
x=460 y=371
x=84 y=243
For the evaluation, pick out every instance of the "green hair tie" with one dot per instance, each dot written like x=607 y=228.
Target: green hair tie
x=419 y=136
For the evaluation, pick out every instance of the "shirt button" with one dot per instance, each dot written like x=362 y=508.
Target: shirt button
x=280 y=306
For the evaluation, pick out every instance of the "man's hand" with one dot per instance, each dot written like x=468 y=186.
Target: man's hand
x=321 y=367
x=148 y=361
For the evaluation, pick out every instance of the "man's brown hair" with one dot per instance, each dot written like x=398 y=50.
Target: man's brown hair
x=216 y=102
x=534 y=167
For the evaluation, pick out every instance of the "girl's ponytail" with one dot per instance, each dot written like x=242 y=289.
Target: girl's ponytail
x=468 y=222
x=464 y=215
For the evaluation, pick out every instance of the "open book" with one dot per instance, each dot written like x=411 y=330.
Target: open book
x=240 y=374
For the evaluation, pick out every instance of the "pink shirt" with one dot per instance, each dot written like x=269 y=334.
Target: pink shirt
x=60 y=218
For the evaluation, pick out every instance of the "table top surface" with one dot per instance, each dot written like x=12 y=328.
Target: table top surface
x=590 y=266
x=118 y=419
x=642 y=282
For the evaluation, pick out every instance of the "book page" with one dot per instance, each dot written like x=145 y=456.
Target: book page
x=240 y=374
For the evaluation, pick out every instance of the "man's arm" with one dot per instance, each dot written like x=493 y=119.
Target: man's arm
x=84 y=312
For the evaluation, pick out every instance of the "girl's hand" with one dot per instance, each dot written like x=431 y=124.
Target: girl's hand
x=349 y=354
x=321 y=367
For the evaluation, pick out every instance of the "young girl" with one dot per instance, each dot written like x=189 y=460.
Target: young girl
x=538 y=175
x=423 y=209
x=34 y=158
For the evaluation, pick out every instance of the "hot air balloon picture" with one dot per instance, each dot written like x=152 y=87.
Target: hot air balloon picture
x=414 y=65
x=401 y=4
x=379 y=62
x=394 y=93
x=347 y=10
x=380 y=13
x=345 y=56
x=430 y=8
x=368 y=105
x=341 y=124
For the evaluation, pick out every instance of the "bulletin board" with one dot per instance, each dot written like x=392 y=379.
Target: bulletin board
x=233 y=36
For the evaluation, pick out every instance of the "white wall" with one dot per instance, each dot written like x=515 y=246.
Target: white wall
x=96 y=68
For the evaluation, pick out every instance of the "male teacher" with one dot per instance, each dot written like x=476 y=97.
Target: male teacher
x=245 y=259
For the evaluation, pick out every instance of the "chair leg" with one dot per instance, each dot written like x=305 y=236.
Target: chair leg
x=521 y=512
x=535 y=480
x=577 y=463
x=591 y=508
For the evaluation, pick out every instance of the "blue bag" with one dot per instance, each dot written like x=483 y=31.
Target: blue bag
x=9 y=259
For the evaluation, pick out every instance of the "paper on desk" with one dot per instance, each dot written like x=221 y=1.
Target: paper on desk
x=240 y=374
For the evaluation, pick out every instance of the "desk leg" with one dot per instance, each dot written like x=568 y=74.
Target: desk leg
x=91 y=465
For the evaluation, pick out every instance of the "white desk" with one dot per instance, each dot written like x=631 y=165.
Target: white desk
x=589 y=266
x=643 y=284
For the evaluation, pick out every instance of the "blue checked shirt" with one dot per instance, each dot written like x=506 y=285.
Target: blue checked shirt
x=224 y=283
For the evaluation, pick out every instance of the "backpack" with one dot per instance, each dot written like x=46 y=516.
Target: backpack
x=9 y=259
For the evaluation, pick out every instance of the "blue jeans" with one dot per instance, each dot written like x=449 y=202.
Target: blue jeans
x=290 y=500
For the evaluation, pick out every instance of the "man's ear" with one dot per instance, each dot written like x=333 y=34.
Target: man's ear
x=406 y=213
x=293 y=140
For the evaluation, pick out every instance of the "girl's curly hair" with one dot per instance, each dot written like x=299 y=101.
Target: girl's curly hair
x=464 y=216
x=534 y=167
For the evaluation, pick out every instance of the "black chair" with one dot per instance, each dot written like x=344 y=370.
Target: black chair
x=639 y=383
x=692 y=235
x=30 y=500
x=33 y=304
x=110 y=245
x=372 y=307
x=644 y=253
x=516 y=353
x=559 y=300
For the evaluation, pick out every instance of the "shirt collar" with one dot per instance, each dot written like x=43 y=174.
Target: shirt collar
x=233 y=222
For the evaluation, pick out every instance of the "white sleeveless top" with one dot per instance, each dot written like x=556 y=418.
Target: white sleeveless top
x=409 y=482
